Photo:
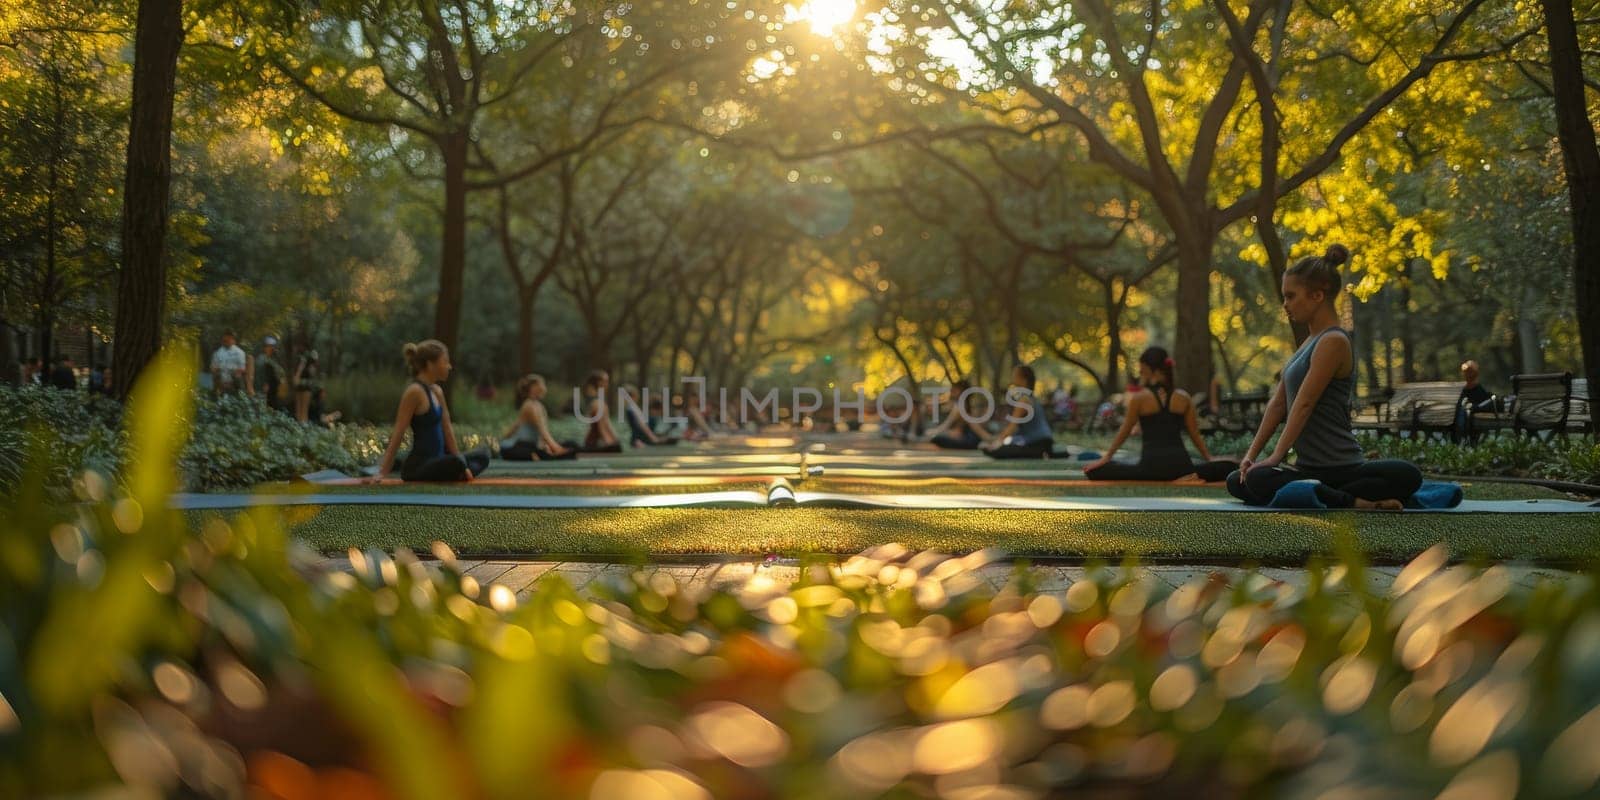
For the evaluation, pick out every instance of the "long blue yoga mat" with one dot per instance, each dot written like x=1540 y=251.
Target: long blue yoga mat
x=784 y=497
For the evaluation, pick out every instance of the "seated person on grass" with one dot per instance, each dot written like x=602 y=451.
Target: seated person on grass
x=1027 y=432
x=600 y=438
x=434 y=455
x=641 y=432
x=530 y=438
x=1312 y=401
x=699 y=427
x=955 y=431
x=1163 y=414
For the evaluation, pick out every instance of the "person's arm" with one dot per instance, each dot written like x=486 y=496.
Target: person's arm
x=249 y=375
x=641 y=426
x=299 y=367
x=1331 y=352
x=607 y=434
x=402 y=420
x=1009 y=429
x=1129 y=420
x=1276 y=410
x=948 y=422
x=1191 y=420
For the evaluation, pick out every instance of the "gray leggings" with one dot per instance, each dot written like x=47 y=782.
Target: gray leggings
x=1383 y=479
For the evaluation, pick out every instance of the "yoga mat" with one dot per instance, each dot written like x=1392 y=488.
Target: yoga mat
x=203 y=502
x=191 y=502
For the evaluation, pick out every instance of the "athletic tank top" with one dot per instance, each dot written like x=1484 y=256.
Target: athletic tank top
x=525 y=432
x=1037 y=428
x=1326 y=440
x=1163 y=431
x=427 y=430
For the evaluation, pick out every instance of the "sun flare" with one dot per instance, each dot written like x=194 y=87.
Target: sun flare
x=823 y=15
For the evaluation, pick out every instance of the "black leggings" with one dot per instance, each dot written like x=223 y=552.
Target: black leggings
x=660 y=441
x=1040 y=449
x=444 y=467
x=1384 y=479
x=527 y=451
x=966 y=440
x=1209 y=471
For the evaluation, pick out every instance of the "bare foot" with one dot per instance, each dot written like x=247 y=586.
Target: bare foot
x=1379 y=505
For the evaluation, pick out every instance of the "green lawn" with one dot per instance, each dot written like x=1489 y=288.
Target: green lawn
x=1474 y=491
x=1245 y=536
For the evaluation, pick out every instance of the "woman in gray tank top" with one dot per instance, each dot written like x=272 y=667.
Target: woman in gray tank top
x=1312 y=401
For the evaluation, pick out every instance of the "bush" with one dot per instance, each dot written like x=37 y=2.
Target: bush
x=234 y=442
x=238 y=441
x=57 y=434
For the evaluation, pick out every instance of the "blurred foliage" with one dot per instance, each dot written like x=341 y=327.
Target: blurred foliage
x=228 y=660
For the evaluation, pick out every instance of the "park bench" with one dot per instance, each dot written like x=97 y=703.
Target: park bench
x=1580 y=418
x=1371 y=413
x=1544 y=403
x=1242 y=411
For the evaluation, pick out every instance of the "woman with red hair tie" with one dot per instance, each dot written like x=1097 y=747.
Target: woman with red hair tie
x=1162 y=414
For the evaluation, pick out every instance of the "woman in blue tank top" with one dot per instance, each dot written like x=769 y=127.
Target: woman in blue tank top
x=434 y=455
x=1312 y=401
x=1163 y=415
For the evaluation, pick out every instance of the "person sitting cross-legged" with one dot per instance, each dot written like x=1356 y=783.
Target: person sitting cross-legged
x=434 y=454
x=961 y=429
x=1312 y=402
x=530 y=438
x=1027 y=432
x=1162 y=414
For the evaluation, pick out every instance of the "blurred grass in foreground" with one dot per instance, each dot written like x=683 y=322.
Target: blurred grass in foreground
x=222 y=661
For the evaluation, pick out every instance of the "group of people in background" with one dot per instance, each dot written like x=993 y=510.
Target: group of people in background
x=63 y=374
x=435 y=453
x=234 y=371
x=1311 y=402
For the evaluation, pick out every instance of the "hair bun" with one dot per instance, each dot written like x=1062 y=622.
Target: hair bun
x=1337 y=254
x=409 y=350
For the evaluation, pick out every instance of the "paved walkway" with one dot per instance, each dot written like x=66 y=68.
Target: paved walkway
x=520 y=576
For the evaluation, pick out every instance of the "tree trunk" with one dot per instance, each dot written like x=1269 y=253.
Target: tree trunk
x=1581 y=159
x=142 y=282
x=453 y=246
x=1367 y=343
x=525 y=303
x=1530 y=352
x=1113 y=381
x=8 y=362
x=47 y=335
x=1408 y=347
x=1192 y=349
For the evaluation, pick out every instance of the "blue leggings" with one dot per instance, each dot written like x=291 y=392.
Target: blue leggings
x=1383 y=479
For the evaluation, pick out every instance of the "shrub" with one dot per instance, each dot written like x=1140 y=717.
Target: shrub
x=73 y=432
x=238 y=441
